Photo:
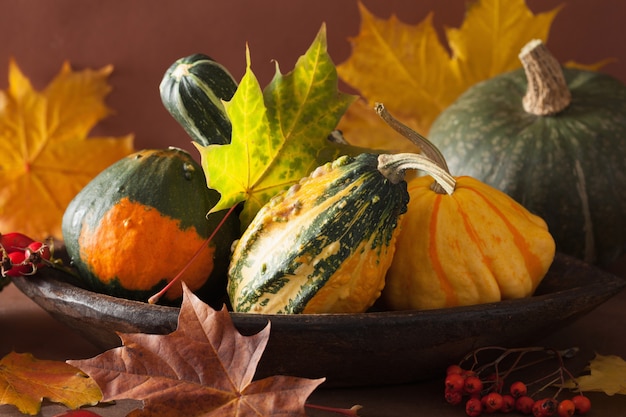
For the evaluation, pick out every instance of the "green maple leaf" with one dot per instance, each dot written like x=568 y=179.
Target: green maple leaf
x=279 y=134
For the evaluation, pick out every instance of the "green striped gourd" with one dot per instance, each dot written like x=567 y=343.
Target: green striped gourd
x=324 y=245
x=192 y=91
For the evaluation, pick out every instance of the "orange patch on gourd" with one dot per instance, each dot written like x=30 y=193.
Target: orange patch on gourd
x=141 y=247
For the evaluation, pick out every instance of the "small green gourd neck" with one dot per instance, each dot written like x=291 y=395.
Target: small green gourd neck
x=430 y=159
x=547 y=92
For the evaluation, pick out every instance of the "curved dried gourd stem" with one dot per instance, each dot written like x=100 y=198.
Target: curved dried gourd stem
x=392 y=166
x=426 y=147
x=430 y=160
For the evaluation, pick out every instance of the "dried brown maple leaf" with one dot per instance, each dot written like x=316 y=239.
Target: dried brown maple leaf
x=204 y=368
x=25 y=381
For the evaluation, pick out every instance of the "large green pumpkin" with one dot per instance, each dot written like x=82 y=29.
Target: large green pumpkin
x=555 y=140
x=137 y=224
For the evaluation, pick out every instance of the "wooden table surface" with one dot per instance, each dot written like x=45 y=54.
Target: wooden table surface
x=25 y=327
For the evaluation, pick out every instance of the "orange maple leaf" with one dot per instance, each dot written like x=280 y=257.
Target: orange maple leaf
x=203 y=368
x=407 y=68
x=25 y=381
x=45 y=155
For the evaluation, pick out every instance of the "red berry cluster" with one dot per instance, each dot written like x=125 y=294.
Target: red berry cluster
x=21 y=255
x=487 y=394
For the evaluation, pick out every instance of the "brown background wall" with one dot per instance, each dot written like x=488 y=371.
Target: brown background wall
x=141 y=38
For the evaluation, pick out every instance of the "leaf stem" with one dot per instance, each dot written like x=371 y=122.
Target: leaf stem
x=546 y=380
x=350 y=412
x=156 y=297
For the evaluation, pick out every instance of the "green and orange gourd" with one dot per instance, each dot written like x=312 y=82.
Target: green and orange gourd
x=140 y=222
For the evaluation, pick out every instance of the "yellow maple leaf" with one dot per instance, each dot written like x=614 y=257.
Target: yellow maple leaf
x=25 y=381
x=606 y=374
x=46 y=157
x=407 y=68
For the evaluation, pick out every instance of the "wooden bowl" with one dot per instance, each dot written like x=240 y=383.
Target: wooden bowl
x=351 y=349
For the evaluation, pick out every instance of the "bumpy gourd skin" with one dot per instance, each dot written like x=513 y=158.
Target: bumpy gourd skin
x=323 y=246
x=474 y=246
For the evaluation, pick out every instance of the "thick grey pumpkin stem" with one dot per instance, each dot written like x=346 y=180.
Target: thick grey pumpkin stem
x=547 y=91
